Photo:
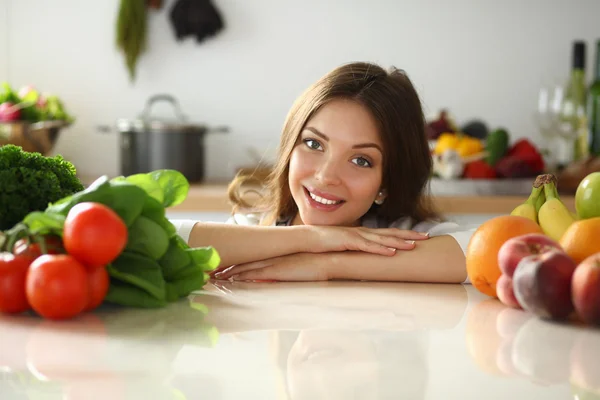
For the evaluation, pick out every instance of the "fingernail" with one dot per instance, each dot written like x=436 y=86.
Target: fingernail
x=410 y=241
x=426 y=234
x=392 y=249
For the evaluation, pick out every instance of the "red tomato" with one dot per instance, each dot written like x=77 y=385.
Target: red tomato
x=13 y=275
x=33 y=249
x=57 y=286
x=98 y=281
x=94 y=233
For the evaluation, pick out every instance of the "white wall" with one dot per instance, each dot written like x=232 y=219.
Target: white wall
x=480 y=58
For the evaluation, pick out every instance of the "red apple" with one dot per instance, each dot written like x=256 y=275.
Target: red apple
x=542 y=284
x=8 y=113
x=585 y=290
x=517 y=248
x=504 y=289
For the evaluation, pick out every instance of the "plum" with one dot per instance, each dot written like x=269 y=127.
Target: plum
x=542 y=284
x=585 y=290
x=504 y=289
x=517 y=248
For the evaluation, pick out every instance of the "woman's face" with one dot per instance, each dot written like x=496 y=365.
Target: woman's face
x=336 y=166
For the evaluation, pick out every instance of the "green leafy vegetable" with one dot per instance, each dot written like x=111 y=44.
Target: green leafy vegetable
x=148 y=238
x=30 y=181
x=157 y=266
x=174 y=184
x=140 y=271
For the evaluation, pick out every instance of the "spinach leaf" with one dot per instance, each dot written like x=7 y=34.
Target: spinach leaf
x=139 y=271
x=194 y=280
x=99 y=191
x=175 y=259
x=205 y=257
x=156 y=212
x=126 y=199
x=44 y=222
x=174 y=184
x=126 y=294
x=145 y=181
x=148 y=238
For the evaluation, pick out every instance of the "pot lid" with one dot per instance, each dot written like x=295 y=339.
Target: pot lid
x=147 y=123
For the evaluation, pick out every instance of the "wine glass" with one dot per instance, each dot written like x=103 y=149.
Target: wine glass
x=547 y=117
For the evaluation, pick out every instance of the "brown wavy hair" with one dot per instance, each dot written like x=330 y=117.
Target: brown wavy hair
x=395 y=105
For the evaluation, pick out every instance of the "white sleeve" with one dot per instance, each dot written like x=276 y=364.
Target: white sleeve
x=183 y=227
x=460 y=234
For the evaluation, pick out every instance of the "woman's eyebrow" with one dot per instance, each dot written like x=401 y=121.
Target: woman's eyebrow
x=356 y=146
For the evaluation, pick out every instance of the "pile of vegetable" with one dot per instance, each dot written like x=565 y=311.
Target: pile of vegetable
x=28 y=104
x=108 y=243
x=30 y=181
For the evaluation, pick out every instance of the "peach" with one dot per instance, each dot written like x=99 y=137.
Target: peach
x=504 y=289
x=542 y=284
x=517 y=248
x=585 y=290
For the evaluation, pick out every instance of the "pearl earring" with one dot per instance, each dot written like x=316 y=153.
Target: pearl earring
x=379 y=200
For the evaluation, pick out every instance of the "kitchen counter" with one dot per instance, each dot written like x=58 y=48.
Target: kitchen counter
x=451 y=197
x=213 y=198
x=326 y=340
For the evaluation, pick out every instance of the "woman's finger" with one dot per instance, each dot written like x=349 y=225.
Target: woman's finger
x=237 y=269
x=400 y=233
x=389 y=242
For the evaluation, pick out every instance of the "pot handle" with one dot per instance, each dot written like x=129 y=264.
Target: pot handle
x=163 y=97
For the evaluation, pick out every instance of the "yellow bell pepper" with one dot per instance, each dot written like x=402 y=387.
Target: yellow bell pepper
x=446 y=141
x=469 y=146
x=464 y=145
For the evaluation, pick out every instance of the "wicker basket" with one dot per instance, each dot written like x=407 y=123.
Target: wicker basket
x=38 y=137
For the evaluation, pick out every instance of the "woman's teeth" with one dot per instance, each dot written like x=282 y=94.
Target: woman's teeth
x=322 y=200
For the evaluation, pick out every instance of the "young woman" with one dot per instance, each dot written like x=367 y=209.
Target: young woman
x=347 y=196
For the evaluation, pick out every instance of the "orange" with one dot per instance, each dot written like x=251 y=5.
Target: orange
x=482 y=250
x=582 y=239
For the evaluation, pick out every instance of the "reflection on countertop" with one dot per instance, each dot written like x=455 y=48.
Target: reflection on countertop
x=325 y=340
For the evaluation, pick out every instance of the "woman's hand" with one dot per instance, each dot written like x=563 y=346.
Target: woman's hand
x=383 y=241
x=294 y=267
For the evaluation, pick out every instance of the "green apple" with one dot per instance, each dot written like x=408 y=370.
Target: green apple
x=587 y=196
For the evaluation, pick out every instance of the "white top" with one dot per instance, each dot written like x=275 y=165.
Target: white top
x=462 y=235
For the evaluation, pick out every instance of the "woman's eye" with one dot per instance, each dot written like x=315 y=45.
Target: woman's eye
x=361 y=162
x=313 y=144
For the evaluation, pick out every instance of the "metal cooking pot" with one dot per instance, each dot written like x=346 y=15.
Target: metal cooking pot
x=148 y=144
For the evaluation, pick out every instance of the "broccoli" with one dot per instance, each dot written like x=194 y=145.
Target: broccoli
x=30 y=181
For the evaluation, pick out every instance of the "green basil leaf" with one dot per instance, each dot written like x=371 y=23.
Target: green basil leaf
x=174 y=184
x=139 y=271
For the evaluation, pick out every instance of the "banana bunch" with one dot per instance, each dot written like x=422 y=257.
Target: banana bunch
x=545 y=207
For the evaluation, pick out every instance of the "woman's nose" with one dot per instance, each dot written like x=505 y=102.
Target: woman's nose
x=328 y=173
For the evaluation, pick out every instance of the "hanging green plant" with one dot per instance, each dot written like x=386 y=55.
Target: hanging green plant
x=131 y=32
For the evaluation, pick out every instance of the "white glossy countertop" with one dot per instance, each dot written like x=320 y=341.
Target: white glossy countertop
x=330 y=340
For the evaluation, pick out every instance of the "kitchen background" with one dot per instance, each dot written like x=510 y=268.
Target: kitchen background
x=479 y=59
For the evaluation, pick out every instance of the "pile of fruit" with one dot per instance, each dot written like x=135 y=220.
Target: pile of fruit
x=543 y=258
x=475 y=152
x=108 y=243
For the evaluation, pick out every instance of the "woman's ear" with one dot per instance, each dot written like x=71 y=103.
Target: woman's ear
x=380 y=198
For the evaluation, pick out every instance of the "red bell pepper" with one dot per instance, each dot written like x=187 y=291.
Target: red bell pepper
x=526 y=151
